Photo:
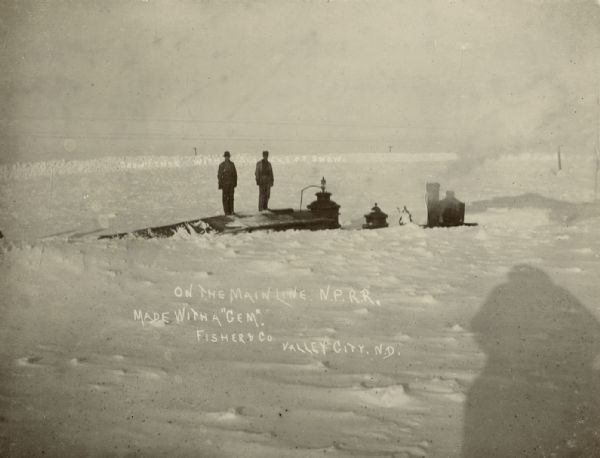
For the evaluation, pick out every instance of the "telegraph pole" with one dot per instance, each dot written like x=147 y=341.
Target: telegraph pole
x=597 y=155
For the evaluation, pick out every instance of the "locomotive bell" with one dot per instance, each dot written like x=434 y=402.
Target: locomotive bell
x=376 y=219
x=325 y=208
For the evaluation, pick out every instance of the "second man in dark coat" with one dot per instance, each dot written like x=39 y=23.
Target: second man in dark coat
x=264 y=180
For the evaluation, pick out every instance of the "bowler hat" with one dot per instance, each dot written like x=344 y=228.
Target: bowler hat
x=226 y=154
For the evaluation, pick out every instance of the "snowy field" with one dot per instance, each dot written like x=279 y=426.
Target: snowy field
x=400 y=342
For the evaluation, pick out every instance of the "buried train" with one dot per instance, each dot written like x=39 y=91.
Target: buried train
x=323 y=213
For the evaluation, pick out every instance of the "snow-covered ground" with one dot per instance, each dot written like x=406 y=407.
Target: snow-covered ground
x=404 y=342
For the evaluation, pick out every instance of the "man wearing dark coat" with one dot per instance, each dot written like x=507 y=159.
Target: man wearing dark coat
x=264 y=180
x=227 y=177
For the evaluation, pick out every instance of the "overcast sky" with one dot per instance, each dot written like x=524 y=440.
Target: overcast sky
x=83 y=79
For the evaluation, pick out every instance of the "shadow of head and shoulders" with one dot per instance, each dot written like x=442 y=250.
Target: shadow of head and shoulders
x=538 y=393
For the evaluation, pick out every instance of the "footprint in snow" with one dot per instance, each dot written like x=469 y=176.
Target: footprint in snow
x=77 y=361
x=150 y=374
x=29 y=361
x=98 y=387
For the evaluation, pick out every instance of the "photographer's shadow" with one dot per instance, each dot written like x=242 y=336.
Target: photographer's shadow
x=539 y=393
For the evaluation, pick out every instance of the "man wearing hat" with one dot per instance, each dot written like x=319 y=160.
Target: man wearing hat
x=264 y=180
x=227 y=177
